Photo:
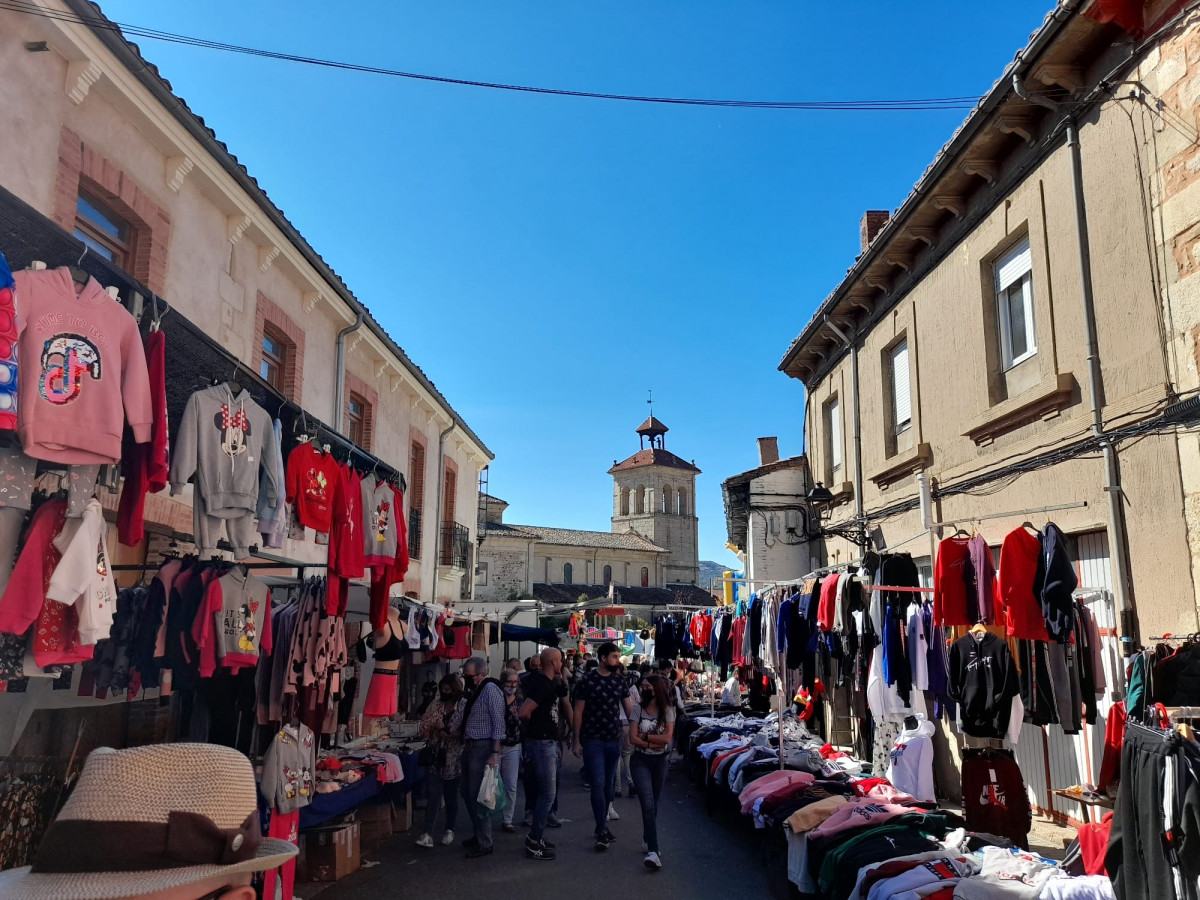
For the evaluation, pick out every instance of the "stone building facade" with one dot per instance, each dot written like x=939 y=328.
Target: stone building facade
x=513 y=558
x=90 y=119
x=1023 y=330
x=654 y=495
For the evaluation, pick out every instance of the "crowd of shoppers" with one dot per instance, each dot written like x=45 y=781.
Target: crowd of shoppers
x=616 y=714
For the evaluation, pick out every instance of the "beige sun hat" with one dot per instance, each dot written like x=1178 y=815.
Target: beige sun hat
x=148 y=819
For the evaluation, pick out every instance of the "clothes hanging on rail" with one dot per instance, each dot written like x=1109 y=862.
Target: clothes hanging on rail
x=146 y=466
x=983 y=681
x=225 y=443
x=86 y=371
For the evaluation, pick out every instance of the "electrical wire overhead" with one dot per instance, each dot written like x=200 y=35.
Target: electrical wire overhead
x=154 y=34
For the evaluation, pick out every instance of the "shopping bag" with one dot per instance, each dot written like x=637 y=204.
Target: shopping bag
x=501 y=795
x=488 y=788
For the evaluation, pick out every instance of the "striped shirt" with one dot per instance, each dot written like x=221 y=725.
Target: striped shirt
x=486 y=721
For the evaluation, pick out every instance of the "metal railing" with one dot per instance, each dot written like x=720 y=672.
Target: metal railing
x=414 y=534
x=456 y=539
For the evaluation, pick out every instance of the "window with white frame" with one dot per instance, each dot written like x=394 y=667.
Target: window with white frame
x=1014 y=305
x=833 y=426
x=901 y=394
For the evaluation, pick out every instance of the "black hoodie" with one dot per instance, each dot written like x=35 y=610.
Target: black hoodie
x=1054 y=584
x=983 y=680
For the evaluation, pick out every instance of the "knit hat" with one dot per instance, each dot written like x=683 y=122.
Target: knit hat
x=148 y=819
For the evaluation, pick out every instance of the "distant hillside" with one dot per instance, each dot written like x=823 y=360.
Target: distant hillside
x=710 y=570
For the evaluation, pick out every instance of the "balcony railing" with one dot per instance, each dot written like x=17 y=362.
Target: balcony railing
x=414 y=534
x=456 y=541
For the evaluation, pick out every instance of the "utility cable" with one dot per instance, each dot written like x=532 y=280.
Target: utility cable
x=126 y=29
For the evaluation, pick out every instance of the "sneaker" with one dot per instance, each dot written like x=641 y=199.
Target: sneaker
x=608 y=836
x=601 y=844
x=554 y=822
x=652 y=861
x=542 y=843
x=613 y=816
x=447 y=838
x=426 y=840
x=538 y=851
x=508 y=828
x=478 y=851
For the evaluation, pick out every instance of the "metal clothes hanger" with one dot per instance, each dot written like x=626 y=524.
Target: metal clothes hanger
x=79 y=276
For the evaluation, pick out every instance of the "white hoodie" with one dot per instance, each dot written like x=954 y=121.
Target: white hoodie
x=911 y=763
x=83 y=577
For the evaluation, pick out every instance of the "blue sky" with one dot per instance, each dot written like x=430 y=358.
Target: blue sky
x=547 y=260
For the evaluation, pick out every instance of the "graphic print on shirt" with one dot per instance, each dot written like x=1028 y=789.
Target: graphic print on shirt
x=941 y=868
x=101 y=562
x=383 y=514
x=66 y=358
x=315 y=485
x=239 y=624
x=993 y=795
x=235 y=427
x=290 y=782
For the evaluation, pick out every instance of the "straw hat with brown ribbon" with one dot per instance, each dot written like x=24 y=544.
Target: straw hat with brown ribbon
x=148 y=819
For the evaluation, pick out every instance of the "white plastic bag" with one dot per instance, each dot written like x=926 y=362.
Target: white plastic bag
x=489 y=788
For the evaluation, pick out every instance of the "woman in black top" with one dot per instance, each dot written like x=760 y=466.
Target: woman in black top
x=510 y=747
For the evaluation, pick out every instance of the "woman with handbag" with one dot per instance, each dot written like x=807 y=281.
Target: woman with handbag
x=441 y=727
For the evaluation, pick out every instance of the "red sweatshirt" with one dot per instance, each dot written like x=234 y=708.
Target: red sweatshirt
x=345 y=537
x=311 y=482
x=950 y=582
x=827 y=605
x=1017 y=607
x=145 y=466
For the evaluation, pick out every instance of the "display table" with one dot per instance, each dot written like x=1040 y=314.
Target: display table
x=1084 y=800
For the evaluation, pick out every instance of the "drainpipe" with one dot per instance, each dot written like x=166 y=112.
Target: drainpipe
x=340 y=393
x=441 y=490
x=1112 y=465
x=1119 y=541
x=857 y=435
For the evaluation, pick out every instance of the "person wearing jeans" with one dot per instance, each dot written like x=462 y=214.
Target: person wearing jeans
x=483 y=729
x=441 y=727
x=651 y=730
x=601 y=696
x=541 y=716
x=510 y=747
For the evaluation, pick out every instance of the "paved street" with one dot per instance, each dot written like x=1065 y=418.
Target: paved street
x=703 y=857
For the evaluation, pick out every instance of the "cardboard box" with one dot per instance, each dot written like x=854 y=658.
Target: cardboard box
x=332 y=853
x=402 y=814
x=376 y=820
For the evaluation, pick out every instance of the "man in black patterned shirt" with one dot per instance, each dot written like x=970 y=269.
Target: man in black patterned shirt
x=601 y=696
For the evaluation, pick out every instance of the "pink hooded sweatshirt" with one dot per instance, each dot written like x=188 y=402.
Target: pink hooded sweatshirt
x=83 y=371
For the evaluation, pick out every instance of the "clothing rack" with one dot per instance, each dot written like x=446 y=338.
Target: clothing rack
x=901 y=588
x=1006 y=515
x=146 y=566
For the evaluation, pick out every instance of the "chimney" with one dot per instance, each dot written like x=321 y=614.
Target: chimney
x=872 y=221
x=768 y=450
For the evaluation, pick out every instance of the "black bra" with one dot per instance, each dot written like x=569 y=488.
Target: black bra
x=392 y=650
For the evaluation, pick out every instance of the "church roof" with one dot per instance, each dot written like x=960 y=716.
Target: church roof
x=654 y=457
x=570 y=537
x=624 y=595
x=652 y=427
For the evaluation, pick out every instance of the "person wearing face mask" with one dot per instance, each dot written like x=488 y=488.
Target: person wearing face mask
x=483 y=731
x=541 y=710
x=510 y=747
x=441 y=728
x=651 y=730
x=601 y=696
